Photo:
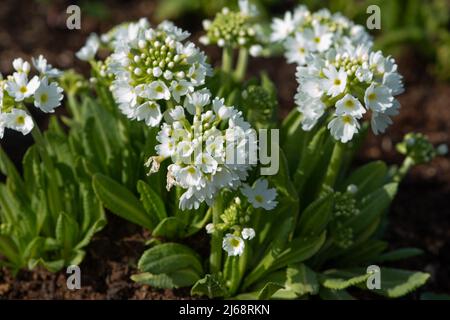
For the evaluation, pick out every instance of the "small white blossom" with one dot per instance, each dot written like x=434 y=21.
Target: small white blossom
x=260 y=196
x=44 y=68
x=19 y=120
x=19 y=88
x=248 y=233
x=89 y=50
x=48 y=96
x=233 y=245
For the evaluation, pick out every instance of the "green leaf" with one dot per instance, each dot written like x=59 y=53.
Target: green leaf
x=339 y=280
x=329 y=294
x=302 y=280
x=67 y=232
x=309 y=159
x=367 y=178
x=10 y=250
x=399 y=254
x=210 y=286
x=314 y=219
x=269 y=290
x=177 y=279
x=169 y=228
x=121 y=201
x=372 y=207
x=169 y=257
x=298 y=250
x=152 y=202
x=396 y=283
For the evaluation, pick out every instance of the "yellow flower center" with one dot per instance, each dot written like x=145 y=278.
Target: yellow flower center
x=44 y=98
x=20 y=120
x=234 y=242
x=316 y=39
x=259 y=198
x=23 y=89
x=347 y=119
x=372 y=96
x=159 y=89
x=191 y=170
x=349 y=104
x=337 y=82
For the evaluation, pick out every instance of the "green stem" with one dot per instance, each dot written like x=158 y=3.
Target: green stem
x=215 y=259
x=237 y=272
x=334 y=166
x=242 y=63
x=407 y=164
x=227 y=59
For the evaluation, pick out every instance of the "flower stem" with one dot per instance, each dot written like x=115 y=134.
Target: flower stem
x=242 y=63
x=407 y=164
x=215 y=259
x=334 y=166
x=227 y=59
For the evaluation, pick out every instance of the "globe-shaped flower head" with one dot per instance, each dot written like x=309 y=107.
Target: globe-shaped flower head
x=345 y=84
x=209 y=147
x=154 y=68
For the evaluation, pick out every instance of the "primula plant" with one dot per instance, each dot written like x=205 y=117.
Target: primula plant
x=158 y=137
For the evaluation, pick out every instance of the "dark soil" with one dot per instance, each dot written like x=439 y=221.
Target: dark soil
x=419 y=216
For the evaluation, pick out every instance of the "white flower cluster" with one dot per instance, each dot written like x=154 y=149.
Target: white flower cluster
x=149 y=67
x=17 y=89
x=235 y=29
x=208 y=153
x=152 y=66
x=348 y=82
x=302 y=33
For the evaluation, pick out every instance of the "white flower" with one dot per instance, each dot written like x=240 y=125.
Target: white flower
x=21 y=66
x=343 y=127
x=381 y=120
x=19 y=87
x=247 y=8
x=233 y=245
x=311 y=109
x=89 y=50
x=260 y=196
x=197 y=100
x=177 y=113
x=321 y=30
x=318 y=38
x=2 y=124
x=157 y=90
x=48 y=96
x=199 y=148
x=248 y=233
x=378 y=98
x=297 y=49
x=335 y=81
x=256 y=50
x=210 y=228
x=349 y=105
x=282 y=28
x=19 y=120
x=180 y=88
x=153 y=64
x=44 y=68
x=150 y=112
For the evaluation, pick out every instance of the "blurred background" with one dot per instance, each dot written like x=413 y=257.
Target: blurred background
x=415 y=32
